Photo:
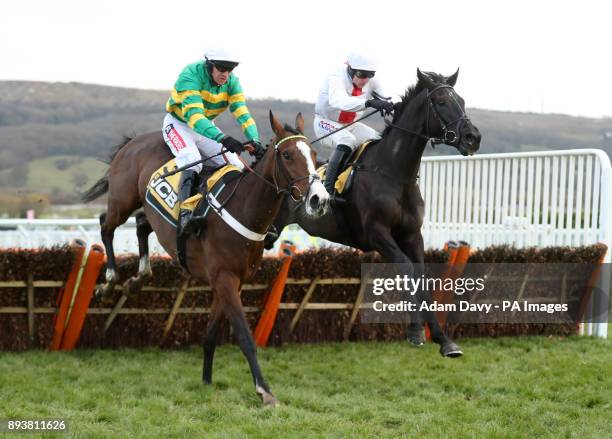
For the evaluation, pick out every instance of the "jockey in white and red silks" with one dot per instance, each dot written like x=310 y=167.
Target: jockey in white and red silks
x=345 y=93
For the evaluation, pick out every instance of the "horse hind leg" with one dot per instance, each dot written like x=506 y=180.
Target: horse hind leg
x=134 y=284
x=109 y=221
x=107 y=231
x=211 y=339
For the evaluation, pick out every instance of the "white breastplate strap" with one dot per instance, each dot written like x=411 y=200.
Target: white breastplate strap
x=231 y=221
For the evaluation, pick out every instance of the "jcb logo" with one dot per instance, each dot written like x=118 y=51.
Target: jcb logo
x=164 y=190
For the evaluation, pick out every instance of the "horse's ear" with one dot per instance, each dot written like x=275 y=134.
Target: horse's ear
x=299 y=122
x=276 y=125
x=452 y=79
x=420 y=75
x=424 y=77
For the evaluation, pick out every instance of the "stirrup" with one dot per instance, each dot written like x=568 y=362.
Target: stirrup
x=337 y=199
x=187 y=224
x=272 y=233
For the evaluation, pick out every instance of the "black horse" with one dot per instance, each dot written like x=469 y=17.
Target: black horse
x=384 y=207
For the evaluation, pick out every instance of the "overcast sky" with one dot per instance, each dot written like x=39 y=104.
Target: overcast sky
x=513 y=55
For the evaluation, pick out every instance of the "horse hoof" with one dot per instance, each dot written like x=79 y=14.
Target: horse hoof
x=451 y=350
x=103 y=291
x=269 y=400
x=415 y=337
x=132 y=287
x=416 y=341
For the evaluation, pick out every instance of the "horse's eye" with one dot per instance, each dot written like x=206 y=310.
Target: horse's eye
x=286 y=155
x=442 y=103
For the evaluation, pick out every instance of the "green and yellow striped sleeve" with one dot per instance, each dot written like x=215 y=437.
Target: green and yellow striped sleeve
x=193 y=112
x=240 y=111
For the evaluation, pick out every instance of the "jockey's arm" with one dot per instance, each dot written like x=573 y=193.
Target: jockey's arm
x=340 y=99
x=238 y=107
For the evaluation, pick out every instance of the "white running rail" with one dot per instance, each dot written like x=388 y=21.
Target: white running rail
x=551 y=198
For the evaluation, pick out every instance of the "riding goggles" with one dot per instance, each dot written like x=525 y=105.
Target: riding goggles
x=362 y=74
x=224 y=66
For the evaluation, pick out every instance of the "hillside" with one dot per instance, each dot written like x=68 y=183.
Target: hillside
x=44 y=124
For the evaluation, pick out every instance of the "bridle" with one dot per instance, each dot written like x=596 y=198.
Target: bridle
x=448 y=136
x=280 y=168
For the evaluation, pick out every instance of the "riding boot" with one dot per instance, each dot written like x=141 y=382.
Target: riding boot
x=186 y=226
x=333 y=169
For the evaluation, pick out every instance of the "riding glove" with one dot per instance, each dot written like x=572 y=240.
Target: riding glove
x=232 y=144
x=259 y=149
x=380 y=104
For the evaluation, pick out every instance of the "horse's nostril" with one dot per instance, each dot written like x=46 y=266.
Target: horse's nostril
x=314 y=202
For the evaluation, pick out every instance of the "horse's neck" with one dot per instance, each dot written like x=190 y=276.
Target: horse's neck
x=399 y=153
x=260 y=202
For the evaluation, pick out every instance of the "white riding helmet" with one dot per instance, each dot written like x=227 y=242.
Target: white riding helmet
x=360 y=61
x=219 y=54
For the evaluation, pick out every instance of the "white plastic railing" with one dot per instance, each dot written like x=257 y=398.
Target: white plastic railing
x=22 y=233
x=523 y=199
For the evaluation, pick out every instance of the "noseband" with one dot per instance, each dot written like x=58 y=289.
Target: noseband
x=449 y=136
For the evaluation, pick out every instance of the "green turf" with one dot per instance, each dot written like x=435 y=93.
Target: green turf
x=506 y=388
x=44 y=175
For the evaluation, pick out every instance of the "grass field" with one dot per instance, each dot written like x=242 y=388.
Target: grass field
x=506 y=388
x=44 y=174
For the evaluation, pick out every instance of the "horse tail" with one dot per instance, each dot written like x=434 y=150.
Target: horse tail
x=100 y=187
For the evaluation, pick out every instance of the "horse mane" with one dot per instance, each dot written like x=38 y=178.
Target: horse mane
x=410 y=93
x=291 y=129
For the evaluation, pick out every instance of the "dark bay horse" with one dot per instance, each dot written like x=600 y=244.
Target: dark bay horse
x=221 y=256
x=384 y=208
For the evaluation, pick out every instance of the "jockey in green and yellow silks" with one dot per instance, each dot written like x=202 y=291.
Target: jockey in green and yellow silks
x=203 y=90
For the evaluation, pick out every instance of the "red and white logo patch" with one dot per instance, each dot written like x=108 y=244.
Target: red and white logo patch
x=326 y=126
x=174 y=138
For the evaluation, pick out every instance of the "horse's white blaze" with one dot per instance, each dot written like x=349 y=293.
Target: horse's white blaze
x=316 y=187
x=305 y=150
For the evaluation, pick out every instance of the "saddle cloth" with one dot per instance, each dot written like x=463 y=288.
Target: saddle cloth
x=162 y=192
x=345 y=177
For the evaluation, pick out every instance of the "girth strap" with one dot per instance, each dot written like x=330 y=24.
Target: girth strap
x=231 y=221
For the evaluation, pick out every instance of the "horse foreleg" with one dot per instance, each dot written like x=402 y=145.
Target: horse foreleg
x=382 y=241
x=282 y=219
x=211 y=339
x=413 y=246
x=385 y=244
x=226 y=286
x=134 y=284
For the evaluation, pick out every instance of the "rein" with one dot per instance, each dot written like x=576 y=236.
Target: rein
x=279 y=166
x=371 y=113
x=234 y=223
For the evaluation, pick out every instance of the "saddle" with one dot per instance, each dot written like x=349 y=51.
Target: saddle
x=162 y=195
x=345 y=176
x=162 y=192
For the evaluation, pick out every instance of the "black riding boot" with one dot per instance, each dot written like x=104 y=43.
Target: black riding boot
x=186 y=226
x=334 y=165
